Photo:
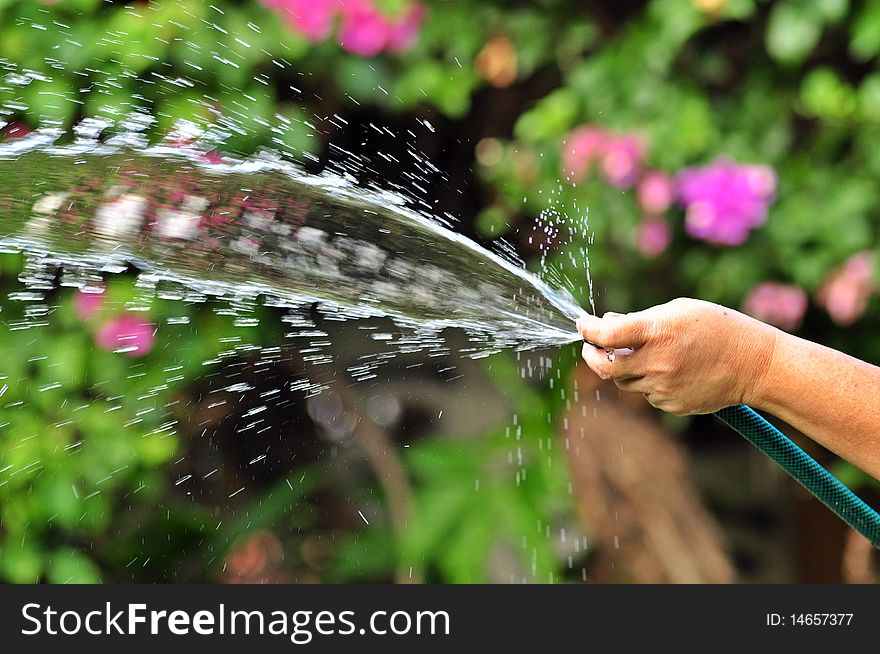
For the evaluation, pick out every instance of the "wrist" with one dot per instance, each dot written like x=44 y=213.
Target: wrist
x=769 y=363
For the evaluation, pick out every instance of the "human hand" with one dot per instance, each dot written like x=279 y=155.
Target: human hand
x=686 y=356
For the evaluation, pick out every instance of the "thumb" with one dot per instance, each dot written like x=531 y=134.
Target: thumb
x=615 y=330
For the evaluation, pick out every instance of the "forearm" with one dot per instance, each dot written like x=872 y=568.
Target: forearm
x=829 y=396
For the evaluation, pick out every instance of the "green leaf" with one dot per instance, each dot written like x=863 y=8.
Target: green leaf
x=368 y=554
x=793 y=31
x=865 y=33
x=68 y=566
x=551 y=118
x=493 y=221
x=20 y=563
x=831 y=10
x=826 y=96
x=294 y=134
x=156 y=449
x=465 y=554
x=51 y=101
x=869 y=98
x=436 y=512
x=59 y=497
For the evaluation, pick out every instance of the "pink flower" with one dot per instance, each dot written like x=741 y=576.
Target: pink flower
x=621 y=159
x=311 y=18
x=846 y=291
x=364 y=30
x=127 y=333
x=86 y=305
x=653 y=236
x=778 y=304
x=655 y=192
x=724 y=201
x=581 y=148
x=404 y=32
x=212 y=157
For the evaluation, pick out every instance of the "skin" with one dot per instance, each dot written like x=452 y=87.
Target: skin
x=691 y=357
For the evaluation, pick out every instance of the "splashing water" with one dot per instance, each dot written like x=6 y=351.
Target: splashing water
x=195 y=225
x=262 y=227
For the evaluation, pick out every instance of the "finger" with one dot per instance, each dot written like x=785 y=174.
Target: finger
x=630 y=330
x=597 y=360
x=625 y=363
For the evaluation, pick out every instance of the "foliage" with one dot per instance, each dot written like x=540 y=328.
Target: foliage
x=474 y=498
x=88 y=427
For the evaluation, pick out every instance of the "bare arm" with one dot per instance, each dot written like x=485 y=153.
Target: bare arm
x=689 y=356
x=831 y=397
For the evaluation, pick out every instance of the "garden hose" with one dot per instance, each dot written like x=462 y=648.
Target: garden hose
x=805 y=470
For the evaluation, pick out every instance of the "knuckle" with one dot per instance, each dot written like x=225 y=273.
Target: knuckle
x=611 y=334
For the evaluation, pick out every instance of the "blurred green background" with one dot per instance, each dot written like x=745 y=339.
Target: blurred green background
x=108 y=472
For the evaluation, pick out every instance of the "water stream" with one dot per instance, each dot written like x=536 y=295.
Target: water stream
x=261 y=228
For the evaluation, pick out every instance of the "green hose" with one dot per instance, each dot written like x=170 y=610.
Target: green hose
x=805 y=470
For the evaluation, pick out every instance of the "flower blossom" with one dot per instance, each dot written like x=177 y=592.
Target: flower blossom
x=724 y=201
x=622 y=159
x=86 y=305
x=404 y=32
x=655 y=192
x=127 y=333
x=619 y=155
x=846 y=291
x=582 y=147
x=782 y=305
x=364 y=29
x=653 y=236
x=311 y=18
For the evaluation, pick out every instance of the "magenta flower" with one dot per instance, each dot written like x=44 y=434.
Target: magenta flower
x=653 y=236
x=582 y=147
x=127 y=333
x=212 y=157
x=364 y=30
x=622 y=159
x=86 y=305
x=619 y=155
x=724 y=201
x=311 y=18
x=404 y=32
x=655 y=192
x=778 y=304
x=846 y=291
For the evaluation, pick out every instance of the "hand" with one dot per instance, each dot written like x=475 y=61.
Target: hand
x=686 y=356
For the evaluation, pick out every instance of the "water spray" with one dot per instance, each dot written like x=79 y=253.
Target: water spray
x=263 y=228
